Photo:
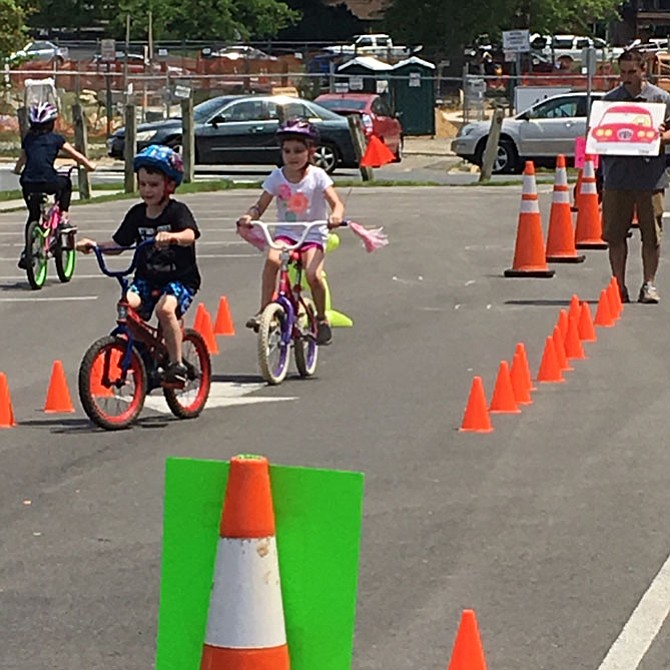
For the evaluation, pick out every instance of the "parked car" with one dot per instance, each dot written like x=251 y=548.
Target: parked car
x=240 y=130
x=39 y=50
x=539 y=133
x=241 y=52
x=375 y=113
x=571 y=46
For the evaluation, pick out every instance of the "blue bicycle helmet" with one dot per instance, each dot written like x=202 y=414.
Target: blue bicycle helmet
x=297 y=129
x=163 y=159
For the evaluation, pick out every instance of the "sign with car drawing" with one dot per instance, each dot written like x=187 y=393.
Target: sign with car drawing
x=625 y=128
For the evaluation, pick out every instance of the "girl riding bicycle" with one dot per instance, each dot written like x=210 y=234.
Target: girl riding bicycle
x=304 y=192
x=39 y=149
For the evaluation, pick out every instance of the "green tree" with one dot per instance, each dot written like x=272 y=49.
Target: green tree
x=446 y=26
x=13 y=33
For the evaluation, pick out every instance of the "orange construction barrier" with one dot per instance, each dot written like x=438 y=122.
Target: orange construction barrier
x=245 y=622
x=223 y=325
x=589 y=228
x=6 y=410
x=561 y=236
x=529 y=257
x=476 y=418
x=58 y=395
x=503 y=400
x=467 y=653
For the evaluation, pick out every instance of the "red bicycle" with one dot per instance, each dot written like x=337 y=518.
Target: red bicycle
x=119 y=370
x=45 y=239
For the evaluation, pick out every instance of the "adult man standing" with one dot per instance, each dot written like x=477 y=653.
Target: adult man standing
x=635 y=184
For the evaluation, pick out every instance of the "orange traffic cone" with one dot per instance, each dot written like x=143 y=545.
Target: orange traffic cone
x=467 y=653
x=503 y=400
x=520 y=351
x=549 y=371
x=245 y=622
x=98 y=388
x=529 y=260
x=224 y=321
x=573 y=345
x=476 y=418
x=376 y=153
x=199 y=315
x=562 y=323
x=575 y=307
x=559 y=349
x=603 y=314
x=520 y=384
x=207 y=332
x=578 y=188
x=617 y=294
x=58 y=396
x=613 y=296
x=6 y=410
x=561 y=236
x=589 y=229
x=587 y=333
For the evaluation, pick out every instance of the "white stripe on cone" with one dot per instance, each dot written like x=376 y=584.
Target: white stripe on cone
x=588 y=188
x=245 y=607
x=561 y=197
x=529 y=187
x=529 y=207
x=561 y=178
x=588 y=170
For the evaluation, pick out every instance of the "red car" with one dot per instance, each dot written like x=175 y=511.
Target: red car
x=377 y=117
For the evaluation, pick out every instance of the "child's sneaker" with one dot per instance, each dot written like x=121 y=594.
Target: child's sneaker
x=176 y=373
x=23 y=261
x=649 y=294
x=254 y=322
x=324 y=335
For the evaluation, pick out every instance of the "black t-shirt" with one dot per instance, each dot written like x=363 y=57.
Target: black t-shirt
x=41 y=152
x=161 y=266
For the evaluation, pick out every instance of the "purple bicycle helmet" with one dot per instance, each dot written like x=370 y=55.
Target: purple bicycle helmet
x=297 y=129
x=161 y=158
x=42 y=113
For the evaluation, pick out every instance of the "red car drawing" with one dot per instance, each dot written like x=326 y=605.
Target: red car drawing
x=625 y=123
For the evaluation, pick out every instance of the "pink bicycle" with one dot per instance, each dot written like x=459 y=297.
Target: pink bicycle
x=44 y=239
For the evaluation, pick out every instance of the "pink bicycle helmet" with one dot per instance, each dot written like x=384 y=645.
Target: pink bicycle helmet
x=297 y=129
x=42 y=113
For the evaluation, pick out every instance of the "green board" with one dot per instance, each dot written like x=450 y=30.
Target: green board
x=318 y=518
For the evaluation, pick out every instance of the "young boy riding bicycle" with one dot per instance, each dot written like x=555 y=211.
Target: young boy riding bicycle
x=167 y=276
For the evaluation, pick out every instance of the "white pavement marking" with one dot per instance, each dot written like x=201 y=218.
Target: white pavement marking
x=643 y=626
x=51 y=299
x=221 y=394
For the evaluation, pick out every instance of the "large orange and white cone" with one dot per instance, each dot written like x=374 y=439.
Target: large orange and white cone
x=245 y=624
x=589 y=228
x=529 y=260
x=561 y=236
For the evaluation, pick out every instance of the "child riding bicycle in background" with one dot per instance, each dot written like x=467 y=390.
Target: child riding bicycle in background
x=39 y=149
x=167 y=276
x=303 y=192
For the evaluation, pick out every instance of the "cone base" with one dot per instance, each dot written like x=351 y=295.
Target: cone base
x=566 y=259
x=475 y=430
x=592 y=245
x=542 y=274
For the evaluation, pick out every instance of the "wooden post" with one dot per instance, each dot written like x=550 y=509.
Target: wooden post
x=358 y=139
x=188 y=139
x=81 y=145
x=491 y=150
x=129 y=147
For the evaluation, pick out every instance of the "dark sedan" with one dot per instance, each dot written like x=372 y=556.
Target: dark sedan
x=240 y=130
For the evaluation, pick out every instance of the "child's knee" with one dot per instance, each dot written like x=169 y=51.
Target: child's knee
x=134 y=300
x=166 y=309
x=314 y=276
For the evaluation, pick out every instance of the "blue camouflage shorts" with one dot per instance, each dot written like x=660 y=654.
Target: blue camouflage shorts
x=150 y=295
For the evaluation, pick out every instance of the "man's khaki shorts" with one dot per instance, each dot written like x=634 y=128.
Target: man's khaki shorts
x=618 y=209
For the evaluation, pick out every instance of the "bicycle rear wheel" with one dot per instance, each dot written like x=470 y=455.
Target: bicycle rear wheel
x=110 y=398
x=188 y=401
x=64 y=257
x=305 y=349
x=36 y=257
x=273 y=344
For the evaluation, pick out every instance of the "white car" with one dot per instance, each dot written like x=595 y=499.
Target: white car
x=39 y=50
x=545 y=129
x=571 y=46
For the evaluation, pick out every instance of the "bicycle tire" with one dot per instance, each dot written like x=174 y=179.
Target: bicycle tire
x=64 y=258
x=305 y=348
x=36 y=259
x=99 y=396
x=272 y=340
x=195 y=356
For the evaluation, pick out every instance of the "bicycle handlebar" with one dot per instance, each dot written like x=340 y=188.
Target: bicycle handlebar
x=307 y=226
x=100 y=255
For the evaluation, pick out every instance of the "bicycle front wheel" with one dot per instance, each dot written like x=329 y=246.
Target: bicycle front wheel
x=64 y=257
x=305 y=349
x=188 y=401
x=273 y=344
x=111 y=397
x=36 y=257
